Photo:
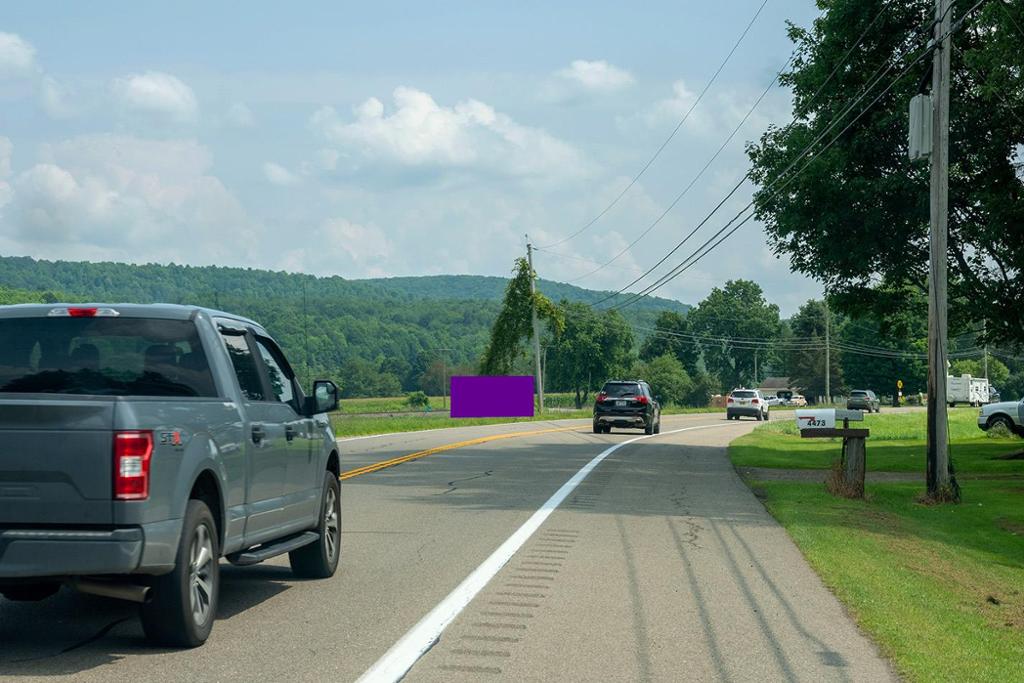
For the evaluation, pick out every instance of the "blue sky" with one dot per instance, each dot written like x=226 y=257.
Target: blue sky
x=387 y=139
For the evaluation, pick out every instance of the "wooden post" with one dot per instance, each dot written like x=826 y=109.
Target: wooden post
x=856 y=452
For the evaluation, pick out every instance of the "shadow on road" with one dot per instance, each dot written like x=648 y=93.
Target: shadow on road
x=71 y=632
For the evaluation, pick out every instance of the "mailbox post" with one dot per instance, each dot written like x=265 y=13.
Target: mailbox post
x=821 y=424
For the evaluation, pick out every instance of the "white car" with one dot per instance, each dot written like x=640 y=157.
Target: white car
x=797 y=400
x=749 y=402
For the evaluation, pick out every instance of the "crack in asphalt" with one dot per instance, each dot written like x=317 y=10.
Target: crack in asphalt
x=452 y=487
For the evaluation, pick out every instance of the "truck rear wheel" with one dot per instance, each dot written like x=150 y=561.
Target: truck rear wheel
x=183 y=604
x=319 y=560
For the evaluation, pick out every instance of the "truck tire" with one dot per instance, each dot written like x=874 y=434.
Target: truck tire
x=319 y=560
x=1003 y=420
x=183 y=604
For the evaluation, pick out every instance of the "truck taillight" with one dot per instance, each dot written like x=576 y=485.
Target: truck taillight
x=132 y=453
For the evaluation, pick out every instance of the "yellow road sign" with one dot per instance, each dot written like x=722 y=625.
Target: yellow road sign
x=899 y=384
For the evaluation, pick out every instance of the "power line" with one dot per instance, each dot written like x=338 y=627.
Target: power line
x=675 y=130
x=744 y=178
x=697 y=177
x=696 y=256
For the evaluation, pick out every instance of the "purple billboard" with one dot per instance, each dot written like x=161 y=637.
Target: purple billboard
x=492 y=396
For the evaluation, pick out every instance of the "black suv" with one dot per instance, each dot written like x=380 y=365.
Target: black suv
x=627 y=403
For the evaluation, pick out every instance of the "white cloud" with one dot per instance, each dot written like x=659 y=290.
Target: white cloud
x=54 y=98
x=279 y=175
x=240 y=115
x=6 y=148
x=471 y=135
x=673 y=109
x=17 y=56
x=597 y=75
x=125 y=198
x=155 y=92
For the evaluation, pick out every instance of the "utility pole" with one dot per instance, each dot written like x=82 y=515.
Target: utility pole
x=984 y=333
x=828 y=355
x=755 y=368
x=536 y=329
x=937 y=472
x=444 y=376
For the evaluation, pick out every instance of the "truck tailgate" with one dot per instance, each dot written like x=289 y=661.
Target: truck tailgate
x=56 y=460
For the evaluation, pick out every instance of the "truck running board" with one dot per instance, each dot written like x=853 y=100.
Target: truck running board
x=272 y=549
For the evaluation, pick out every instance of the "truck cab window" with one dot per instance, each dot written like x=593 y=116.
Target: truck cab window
x=245 y=366
x=280 y=380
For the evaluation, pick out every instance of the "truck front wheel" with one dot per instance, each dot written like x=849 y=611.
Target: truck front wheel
x=182 y=605
x=319 y=560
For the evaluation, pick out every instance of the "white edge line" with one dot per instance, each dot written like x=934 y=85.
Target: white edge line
x=401 y=657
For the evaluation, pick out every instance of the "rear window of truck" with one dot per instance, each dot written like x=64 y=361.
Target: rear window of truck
x=103 y=357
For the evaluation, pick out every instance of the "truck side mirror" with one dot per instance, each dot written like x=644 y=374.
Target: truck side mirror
x=324 y=398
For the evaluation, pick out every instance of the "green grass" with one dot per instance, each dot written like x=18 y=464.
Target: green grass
x=940 y=588
x=918 y=578
x=365 y=425
x=896 y=444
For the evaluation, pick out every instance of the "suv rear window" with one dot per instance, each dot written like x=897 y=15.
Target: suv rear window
x=618 y=389
x=859 y=394
x=103 y=357
x=744 y=394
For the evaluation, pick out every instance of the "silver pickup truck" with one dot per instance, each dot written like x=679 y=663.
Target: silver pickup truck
x=139 y=444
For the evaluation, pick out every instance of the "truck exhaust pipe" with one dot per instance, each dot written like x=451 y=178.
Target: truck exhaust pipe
x=109 y=589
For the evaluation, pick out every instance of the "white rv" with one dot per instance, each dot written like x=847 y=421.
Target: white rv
x=973 y=391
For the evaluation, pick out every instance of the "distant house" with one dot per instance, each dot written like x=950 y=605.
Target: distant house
x=778 y=386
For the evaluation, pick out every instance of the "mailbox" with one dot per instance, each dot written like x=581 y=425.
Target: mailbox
x=816 y=419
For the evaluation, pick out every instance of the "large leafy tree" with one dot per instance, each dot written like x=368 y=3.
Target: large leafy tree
x=857 y=217
x=514 y=324
x=735 y=315
x=591 y=348
x=670 y=337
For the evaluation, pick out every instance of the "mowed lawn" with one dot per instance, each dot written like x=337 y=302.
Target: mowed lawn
x=896 y=444
x=939 y=587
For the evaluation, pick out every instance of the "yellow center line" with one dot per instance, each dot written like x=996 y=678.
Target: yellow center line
x=384 y=464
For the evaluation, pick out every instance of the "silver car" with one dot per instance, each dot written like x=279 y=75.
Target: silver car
x=1008 y=413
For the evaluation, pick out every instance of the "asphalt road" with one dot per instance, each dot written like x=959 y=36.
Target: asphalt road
x=660 y=565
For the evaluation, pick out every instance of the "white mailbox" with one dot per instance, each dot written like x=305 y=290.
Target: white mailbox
x=816 y=419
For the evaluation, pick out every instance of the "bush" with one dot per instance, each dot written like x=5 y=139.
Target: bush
x=667 y=377
x=417 y=399
x=999 y=431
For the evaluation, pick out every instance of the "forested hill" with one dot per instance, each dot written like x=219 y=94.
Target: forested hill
x=374 y=336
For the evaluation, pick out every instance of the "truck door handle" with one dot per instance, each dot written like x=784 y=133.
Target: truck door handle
x=258 y=433
x=289 y=432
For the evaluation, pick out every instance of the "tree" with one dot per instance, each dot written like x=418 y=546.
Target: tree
x=806 y=366
x=857 y=217
x=738 y=316
x=667 y=377
x=592 y=347
x=669 y=337
x=515 y=322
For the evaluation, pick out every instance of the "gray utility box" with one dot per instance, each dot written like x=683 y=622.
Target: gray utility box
x=920 y=138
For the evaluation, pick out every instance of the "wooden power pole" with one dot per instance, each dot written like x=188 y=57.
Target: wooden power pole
x=828 y=355
x=536 y=330
x=937 y=473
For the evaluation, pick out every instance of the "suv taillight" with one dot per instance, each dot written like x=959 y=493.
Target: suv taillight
x=728 y=400
x=642 y=400
x=754 y=401
x=601 y=397
x=132 y=453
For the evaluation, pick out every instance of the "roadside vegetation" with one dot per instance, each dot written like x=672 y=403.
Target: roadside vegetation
x=939 y=587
